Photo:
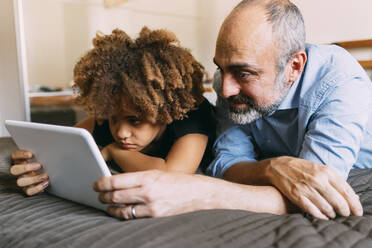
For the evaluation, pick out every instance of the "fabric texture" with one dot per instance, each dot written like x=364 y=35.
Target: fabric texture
x=324 y=118
x=201 y=121
x=48 y=221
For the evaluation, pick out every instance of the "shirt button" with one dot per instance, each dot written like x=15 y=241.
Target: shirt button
x=268 y=140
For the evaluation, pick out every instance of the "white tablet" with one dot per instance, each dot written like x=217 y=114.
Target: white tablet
x=69 y=156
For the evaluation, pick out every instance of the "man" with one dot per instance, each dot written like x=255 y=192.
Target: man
x=264 y=81
x=286 y=110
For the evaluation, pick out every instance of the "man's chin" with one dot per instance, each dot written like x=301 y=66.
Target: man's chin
x=240 y=108
x=242 y=118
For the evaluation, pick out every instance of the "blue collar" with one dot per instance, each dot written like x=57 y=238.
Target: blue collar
x=292 y=99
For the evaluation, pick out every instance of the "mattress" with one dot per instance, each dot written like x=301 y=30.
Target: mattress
x=48 y=221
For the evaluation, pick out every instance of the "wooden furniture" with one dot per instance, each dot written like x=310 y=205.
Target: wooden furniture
x=55 y=108
x=64 y=100
x=366 y=64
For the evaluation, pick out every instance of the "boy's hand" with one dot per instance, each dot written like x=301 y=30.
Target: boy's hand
x=31 y=182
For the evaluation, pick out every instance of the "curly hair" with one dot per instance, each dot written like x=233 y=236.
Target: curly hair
x=153 y=75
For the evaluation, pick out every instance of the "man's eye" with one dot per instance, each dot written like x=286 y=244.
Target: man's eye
x=243 y=74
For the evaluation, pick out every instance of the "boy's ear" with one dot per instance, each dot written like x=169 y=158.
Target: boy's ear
x=296 y=65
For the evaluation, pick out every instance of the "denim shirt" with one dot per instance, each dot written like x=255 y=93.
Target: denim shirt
x=325 y=118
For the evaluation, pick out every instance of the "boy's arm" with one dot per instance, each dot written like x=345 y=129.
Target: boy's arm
x=185 y=155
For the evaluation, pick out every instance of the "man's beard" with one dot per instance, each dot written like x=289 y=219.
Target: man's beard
x=252 y=112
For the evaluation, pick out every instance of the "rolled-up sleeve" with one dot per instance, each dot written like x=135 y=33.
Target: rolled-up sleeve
x=233 y=146
x=335 y=132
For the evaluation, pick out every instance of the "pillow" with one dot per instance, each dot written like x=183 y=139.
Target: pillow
x=7 y=146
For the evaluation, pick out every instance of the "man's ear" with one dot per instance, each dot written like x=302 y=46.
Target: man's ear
x=296 y=65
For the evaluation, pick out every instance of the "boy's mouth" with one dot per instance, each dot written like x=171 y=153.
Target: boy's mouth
x=127 y=146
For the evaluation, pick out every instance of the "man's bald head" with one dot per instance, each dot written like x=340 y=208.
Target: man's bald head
x=287 y=24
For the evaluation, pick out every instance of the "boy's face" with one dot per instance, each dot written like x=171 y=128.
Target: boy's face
x=132 y=133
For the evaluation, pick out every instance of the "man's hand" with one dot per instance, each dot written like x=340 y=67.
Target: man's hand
x=31 y=182
x=155 y=193
x=316 y=189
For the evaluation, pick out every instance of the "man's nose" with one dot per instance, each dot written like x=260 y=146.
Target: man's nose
x=229 y=87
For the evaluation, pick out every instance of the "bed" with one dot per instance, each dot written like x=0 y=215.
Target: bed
x=48 y=221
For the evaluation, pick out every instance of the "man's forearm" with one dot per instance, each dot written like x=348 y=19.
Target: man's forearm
x=260 y=199
x=253 y=173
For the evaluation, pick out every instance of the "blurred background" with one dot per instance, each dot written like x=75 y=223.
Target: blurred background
x=42 y=40
x=58 y=32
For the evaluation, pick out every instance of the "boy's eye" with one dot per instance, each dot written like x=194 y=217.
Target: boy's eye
x=134 y=121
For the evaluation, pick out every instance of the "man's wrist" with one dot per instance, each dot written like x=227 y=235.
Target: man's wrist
x=266 y=174
x=253 y=173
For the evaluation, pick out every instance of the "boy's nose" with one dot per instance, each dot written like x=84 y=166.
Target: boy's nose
x=123 y=132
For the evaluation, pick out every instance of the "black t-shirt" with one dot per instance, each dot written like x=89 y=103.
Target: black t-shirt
x=201 y=120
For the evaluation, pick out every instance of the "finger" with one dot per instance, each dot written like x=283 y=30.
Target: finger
x=348 y=194
x=125 y=212
x=322 y=204
x=31 y=178
x=308 y=207
x=21 y=155
x=120 y=181
x=128 y=196
x=20 y=169
x=38 y=188
x=337 y=201
x=20 y=161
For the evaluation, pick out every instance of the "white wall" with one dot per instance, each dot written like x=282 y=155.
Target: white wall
x=59 y=31
x=45 y=46
x=11 y=99
x=336 y=20
x=326 y=21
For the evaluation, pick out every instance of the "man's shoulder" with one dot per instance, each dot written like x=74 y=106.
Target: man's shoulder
x=328 y=67
x=332 y=62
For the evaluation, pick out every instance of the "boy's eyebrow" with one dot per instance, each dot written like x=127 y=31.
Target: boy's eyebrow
x=253 y=70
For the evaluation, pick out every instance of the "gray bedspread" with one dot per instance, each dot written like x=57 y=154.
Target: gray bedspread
x=48 y=221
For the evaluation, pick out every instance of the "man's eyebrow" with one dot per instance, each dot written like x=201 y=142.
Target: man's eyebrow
x=245 y=66
x=237 y=66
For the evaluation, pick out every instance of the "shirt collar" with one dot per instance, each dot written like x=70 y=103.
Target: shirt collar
x=291 y=100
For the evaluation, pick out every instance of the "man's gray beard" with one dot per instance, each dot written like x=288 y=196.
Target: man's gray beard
x=252 y=112
x=246 y=116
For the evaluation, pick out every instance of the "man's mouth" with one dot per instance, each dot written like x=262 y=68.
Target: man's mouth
x=238 y=105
